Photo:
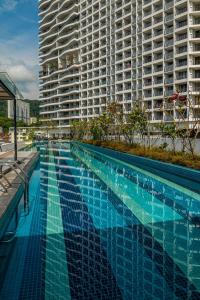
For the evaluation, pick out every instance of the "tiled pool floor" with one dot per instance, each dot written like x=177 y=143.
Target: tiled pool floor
x=99 y=228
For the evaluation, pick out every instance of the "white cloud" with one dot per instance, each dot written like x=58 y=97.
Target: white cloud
x=7 y=5
x=18 y=53
x=19 y=59
x=10 y=5
x=20 y=73
x=25 y=77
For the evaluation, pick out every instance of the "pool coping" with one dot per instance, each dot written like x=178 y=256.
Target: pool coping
x=181 y=171
x=9 y=201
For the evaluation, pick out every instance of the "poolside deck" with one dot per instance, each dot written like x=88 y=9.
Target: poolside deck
x=10 y=198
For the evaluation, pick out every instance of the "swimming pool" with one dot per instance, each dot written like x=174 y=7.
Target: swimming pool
x=101 y=228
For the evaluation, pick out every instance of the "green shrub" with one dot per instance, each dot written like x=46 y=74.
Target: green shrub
x=157 y=153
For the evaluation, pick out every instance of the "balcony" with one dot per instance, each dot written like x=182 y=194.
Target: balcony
x=196 y=7
x=181 y=24
x=169 y=43
x=169 y=80
x=169 y=68
x=158 y=81
x=169 y=4
x=169 y=17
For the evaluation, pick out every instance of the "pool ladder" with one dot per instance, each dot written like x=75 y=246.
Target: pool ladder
x=15 y=166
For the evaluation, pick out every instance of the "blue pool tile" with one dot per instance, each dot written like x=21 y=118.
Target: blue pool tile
x=109 y=253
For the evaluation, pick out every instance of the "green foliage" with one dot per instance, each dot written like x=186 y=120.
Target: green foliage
x=31 y=135
x=111 y=122
x=73 y=129
x=3 y=108
x=163 y=146
x=115 y=124
x=6 y=123
x=136 y=123
x=37 y=124
x=78 y=129
x=21 y=124
x=34 y=108
x=170 y=131
x=116 y=116
x=104 y=122
x=95 y=129
x=50 y=124
x=161 y=154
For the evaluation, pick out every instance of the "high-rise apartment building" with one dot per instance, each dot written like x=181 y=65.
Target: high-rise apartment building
x=97 y=51
x=59 y=60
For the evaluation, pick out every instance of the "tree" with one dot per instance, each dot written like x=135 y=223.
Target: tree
x=37 y=124
x=115 y=113
x=136 y=124
x=104 y=121
x=95 y=129
x=21 y=123
x=186 y=129
x=78 y=129
x=31 y=135
x=73 y=129
x=170 y=131
x=6 y=123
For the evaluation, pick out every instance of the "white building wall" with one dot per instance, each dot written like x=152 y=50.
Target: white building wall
x=23 y=111
x=128 y=50
x=59 y=61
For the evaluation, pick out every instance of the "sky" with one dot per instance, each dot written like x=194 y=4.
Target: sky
x=19 y=44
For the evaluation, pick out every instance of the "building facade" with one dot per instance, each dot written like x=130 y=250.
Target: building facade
x=59 y=59
x=95 y=52
x=23 y=111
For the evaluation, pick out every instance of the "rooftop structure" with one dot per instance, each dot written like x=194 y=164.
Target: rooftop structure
x=8 y=83
x=7 y=108
x=9 y=91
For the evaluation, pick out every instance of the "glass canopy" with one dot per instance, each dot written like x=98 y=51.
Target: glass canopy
x=8 y=89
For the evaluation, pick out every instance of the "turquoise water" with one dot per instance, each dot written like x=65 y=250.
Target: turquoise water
x=101 y=228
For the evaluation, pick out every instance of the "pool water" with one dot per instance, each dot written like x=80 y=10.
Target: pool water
x=101 y=228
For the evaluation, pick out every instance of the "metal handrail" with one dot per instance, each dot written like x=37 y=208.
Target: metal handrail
x=2 y=175
x=14 y=165
x=3 y=186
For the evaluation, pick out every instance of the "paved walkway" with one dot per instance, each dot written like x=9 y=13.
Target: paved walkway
x=9 y=156
x=7 y=198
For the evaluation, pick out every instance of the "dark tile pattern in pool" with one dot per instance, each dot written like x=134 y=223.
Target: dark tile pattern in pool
x=183 y=176
x=33 y=283
x=186 y=206
x=90 y=273
x=24 y=276
x=121 y=258
x=160 y=260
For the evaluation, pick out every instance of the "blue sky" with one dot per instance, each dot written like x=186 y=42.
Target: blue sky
x=19 y=43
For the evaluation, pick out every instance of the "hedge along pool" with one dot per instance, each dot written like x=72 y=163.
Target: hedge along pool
x=102 y=228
